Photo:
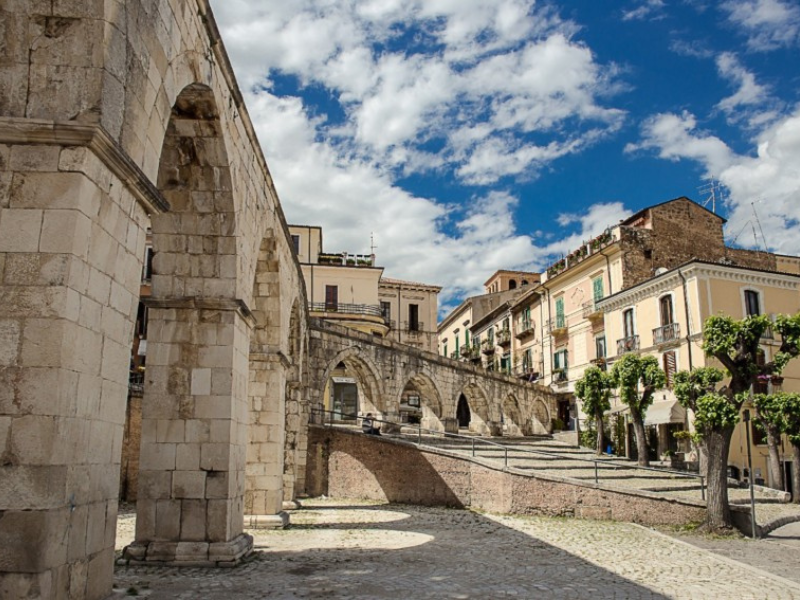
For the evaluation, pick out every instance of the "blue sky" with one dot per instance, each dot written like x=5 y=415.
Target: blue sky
x=474 y=135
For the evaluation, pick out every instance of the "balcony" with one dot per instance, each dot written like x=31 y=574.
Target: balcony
x=345 y=259
x=558 y=326
x=347 y=309
x=414 y=327
x=503 y=337
x=136 y=384
x=666 y=334
x=560 y=376
x=525 y=330
x=487 y=347
x=590 y=310
x=627 y=344
x=472 y=354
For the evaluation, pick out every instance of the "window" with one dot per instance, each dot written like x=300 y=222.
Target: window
x=331 y=297
x=444 y=349
x=512 y=285
x=466 y=337
x=457 y=351
x=597 y=288
x=526 y=318
x=600 y=346
x=413 y=317
x=665 y=306
x=147 y=272
x=560 y=320
x=527 y=360
x=490 y=335
x=296 y=243
x=506 y=324
x=524 y=282
x=627 y=323
x=386 y=310
x=752 y=303
x=670 y=364
x=560 y=364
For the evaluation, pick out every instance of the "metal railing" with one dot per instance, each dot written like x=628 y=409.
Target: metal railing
x=525 y=329
x=503 y=337
x=349 y=309
x=590 y=309
x=627 y=344
x=666 y=333
x=135 y=383
x=318 y=417
x=414 y=326
x=557 y=324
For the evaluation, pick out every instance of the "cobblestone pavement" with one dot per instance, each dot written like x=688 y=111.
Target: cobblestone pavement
x=778 y=553
x=356 y=550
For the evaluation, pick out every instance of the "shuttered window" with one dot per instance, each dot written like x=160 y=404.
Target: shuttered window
x=670 y=367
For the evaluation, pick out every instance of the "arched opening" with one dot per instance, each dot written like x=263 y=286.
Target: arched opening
x=351 y=388
x=463 y=413
x=421 y=403
x=540 y=419
x=513 y=423
x=512 y=284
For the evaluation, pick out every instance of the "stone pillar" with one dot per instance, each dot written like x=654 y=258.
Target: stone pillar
x=194 y=434
x=71 y=247
x=265 y=452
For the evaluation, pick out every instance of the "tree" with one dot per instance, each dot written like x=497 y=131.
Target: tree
x=594 y=389
x=769 y=418
x=637 y=379
x=782 y=412
x=735 y=344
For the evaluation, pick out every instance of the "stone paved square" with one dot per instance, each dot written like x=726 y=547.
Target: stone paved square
x=346 y=549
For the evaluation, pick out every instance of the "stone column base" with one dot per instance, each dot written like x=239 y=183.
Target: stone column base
x=292 y=505
x=189 y=554
x=279 y=521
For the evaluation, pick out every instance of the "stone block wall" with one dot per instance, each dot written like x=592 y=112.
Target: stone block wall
x=71 y=246
x=350 y=465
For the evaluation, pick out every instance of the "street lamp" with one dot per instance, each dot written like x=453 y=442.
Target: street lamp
x=746 y=419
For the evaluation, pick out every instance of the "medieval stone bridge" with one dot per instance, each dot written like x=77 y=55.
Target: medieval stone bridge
x=385 y=370
x=116 y=117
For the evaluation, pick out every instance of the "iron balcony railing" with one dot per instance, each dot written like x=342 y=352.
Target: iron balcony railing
x=487 y=347
x=348 y=309
x=350 y=260
x=414 y=326
x=590 y=309
x=560 y=375
x=558 y=324
x=627 y=344
x=503 y=337
x=525 y=329
x=666 y=333
x=136 y=383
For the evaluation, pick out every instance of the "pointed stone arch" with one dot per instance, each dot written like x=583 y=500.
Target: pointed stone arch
x=514 y=423
x=478 y=402
x=541 y=418
x=430 y=401
x=199 y=335
x=368 y=378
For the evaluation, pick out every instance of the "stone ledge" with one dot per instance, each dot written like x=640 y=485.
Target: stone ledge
x=278 y=521
x=188 y=554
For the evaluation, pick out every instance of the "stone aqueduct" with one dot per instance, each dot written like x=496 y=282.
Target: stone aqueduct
x=116 y=116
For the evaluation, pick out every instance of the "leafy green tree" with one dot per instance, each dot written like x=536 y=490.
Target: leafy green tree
x=638 y=378
x=735 y=344
x=781 y=411
x=594 y=390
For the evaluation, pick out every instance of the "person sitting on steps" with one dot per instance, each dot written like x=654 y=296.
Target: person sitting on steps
x=368 y=426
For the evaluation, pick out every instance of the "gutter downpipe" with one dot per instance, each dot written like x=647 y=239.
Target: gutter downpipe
x=688 y=322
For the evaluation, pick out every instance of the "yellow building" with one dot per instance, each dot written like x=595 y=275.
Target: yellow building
x=411 y=310
x=664 y=316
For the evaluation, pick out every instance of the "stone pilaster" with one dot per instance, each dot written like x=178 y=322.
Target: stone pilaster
x=194 y=434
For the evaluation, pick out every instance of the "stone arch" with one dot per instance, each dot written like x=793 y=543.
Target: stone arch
x=368 y=379
x=513 y=422
x=430 y=401
x=478 y=402
x=196 y=383
x=540 y=418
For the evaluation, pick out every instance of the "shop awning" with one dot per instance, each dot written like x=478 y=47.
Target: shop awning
x=667 y=411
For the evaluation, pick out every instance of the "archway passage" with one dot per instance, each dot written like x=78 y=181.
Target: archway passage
x=513 y=423
x=420 y=403
x=463 y=413
x=351 y=387
x=199 y=336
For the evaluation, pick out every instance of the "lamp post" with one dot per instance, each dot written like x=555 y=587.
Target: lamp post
x=746 y=419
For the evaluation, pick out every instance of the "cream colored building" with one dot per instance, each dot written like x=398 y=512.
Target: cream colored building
x=411 y=310
x=663 y=317
x=340 y=287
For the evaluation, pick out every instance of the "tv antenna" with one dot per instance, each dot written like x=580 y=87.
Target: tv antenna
x=714 y=191
x=372 y=245
x=761 y=229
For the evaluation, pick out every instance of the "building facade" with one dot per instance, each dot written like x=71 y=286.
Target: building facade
x=411 y=310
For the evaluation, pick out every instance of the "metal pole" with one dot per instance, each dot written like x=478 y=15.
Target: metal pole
x=473 y=446
x=506 y=449
x=419 y=435
x=746 y=419
x=702 y=487
x=595 y=473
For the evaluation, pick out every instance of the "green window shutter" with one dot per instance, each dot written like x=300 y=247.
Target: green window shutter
x=559 y=312
x=597 y=285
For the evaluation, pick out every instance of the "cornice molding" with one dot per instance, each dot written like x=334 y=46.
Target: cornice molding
x=670 y=280
x=14 y=130
x=236 y=305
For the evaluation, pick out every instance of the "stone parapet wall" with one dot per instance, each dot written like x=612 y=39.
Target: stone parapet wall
x=350 y=465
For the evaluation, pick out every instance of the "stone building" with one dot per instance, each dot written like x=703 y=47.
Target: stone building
x=412 y=311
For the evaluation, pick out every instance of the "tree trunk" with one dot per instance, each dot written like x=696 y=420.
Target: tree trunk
x=774 y=460
x=796 y=473
x=601 y=438
x=717 y=444
x=641 y=440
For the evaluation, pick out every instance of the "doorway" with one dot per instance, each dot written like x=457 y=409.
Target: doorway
x=463 y=415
